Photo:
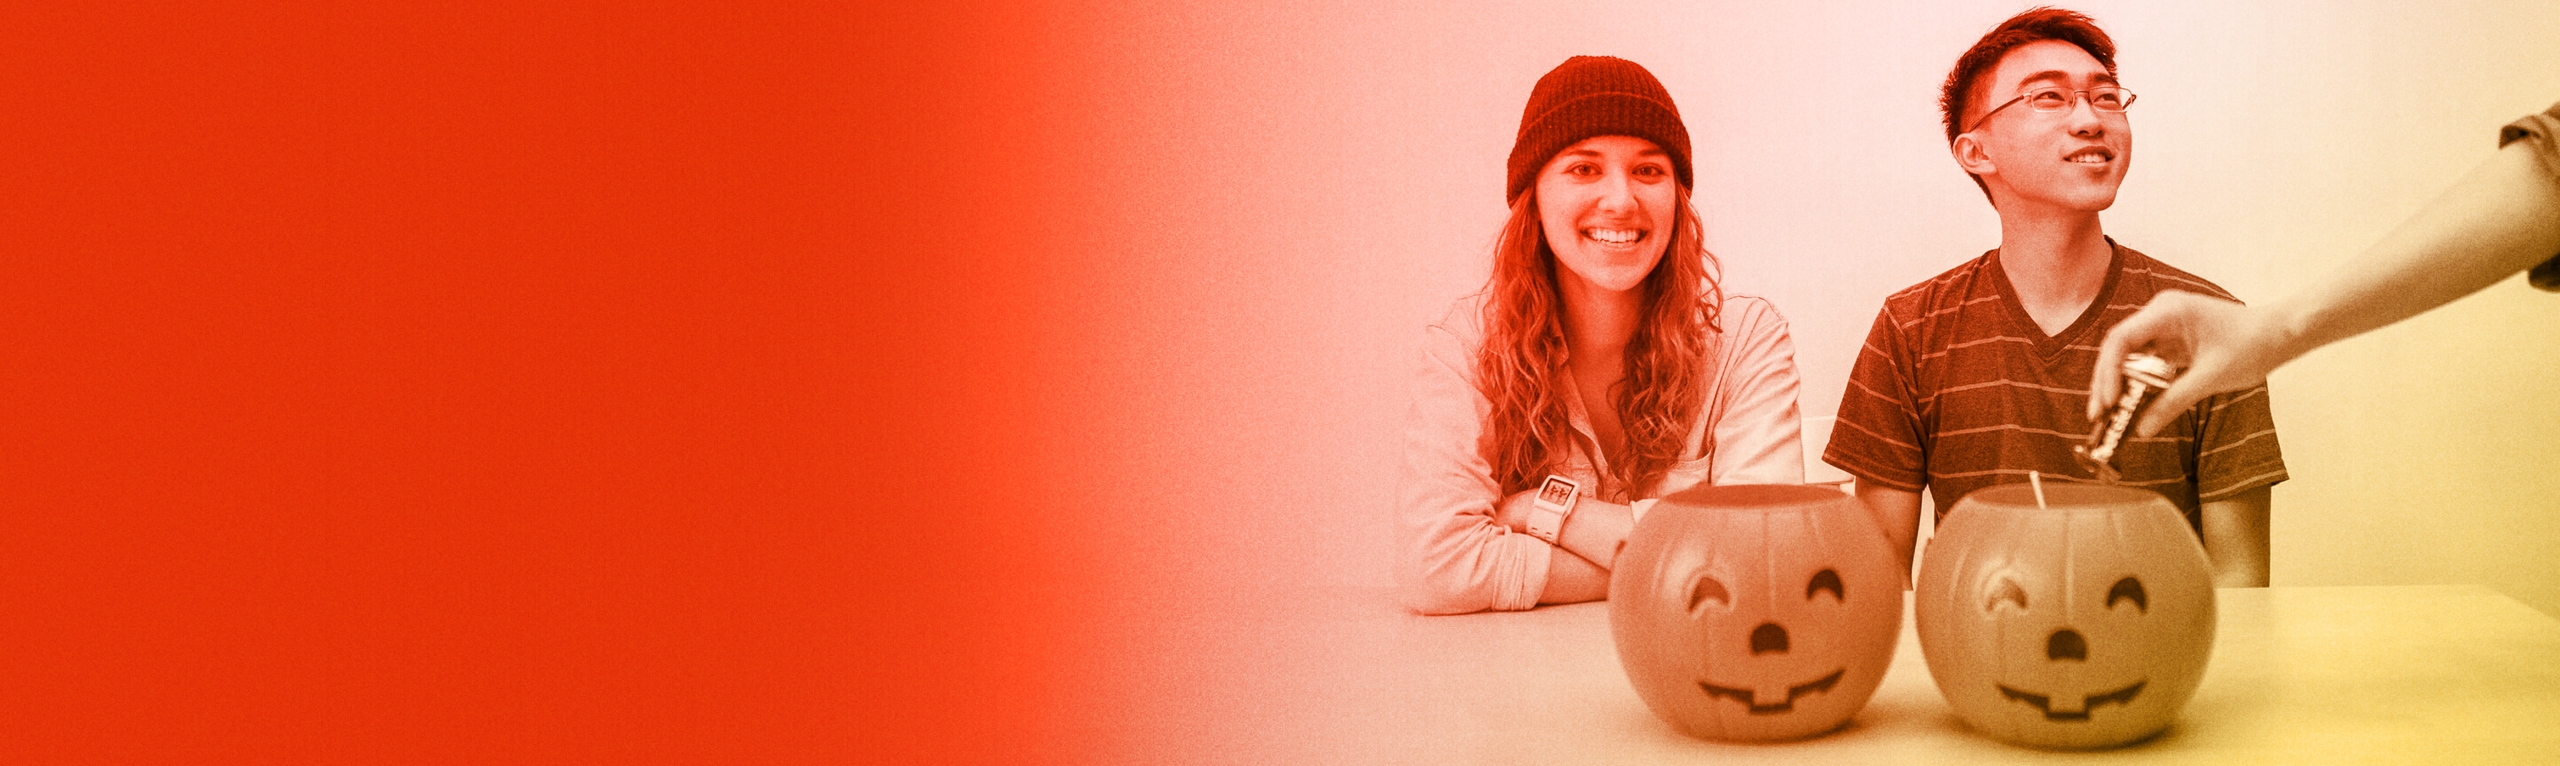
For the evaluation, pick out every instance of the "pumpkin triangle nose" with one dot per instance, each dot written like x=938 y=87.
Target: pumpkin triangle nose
x=2066 y=644
x=1768 y=638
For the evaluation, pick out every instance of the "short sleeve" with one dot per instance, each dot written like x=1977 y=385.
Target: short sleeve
x=2540 y=131
x=1877 y=436
x=2236 y=448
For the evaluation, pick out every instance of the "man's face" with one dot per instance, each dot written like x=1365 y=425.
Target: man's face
x=2067 y=161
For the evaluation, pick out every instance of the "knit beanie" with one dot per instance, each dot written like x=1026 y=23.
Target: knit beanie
x=1590 y=96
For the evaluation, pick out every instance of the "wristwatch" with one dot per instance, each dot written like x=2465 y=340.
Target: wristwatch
x=1548 y=508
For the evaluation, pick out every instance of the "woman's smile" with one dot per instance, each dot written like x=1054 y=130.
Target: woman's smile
x=1606 y=202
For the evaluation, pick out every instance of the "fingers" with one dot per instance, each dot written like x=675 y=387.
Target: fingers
x=2104 y=379
x=2180 y=397
x=2162 y=328
x=2135 y=333
x=2220 y=345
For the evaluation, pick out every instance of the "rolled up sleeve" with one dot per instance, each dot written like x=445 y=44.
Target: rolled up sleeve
x=2539 y=131
x=1452 y=556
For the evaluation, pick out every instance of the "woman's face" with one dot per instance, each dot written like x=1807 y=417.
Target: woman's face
x=1606 y=204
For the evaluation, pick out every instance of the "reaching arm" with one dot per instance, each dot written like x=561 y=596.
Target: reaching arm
x=2501 y=218
x=2235 y=538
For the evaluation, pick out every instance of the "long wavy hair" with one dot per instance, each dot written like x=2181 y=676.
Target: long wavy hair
x=1524 y=354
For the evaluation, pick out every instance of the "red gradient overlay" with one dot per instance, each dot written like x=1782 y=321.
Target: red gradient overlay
x=566 y=382
x=980 y=382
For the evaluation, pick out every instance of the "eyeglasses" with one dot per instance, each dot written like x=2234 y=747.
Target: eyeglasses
x=2105 y=99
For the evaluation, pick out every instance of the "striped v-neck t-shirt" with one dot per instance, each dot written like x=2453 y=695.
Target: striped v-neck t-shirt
x=1958 y=389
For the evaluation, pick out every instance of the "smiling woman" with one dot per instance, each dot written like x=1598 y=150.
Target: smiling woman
x=1614 y=196
x=1602 y=366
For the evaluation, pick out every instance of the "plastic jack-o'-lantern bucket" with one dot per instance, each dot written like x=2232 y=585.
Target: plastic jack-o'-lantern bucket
x=1756 y=613
x=2084 y=622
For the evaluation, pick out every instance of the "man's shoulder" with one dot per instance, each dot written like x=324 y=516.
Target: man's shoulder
x=1948 y=289
x=2162 y=276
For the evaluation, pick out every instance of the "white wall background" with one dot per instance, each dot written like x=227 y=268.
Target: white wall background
x=1274 y=198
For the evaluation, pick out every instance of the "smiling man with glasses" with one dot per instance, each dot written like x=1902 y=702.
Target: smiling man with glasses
x=1980 y=375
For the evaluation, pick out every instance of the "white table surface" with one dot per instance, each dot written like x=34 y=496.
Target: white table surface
x=2298 y=675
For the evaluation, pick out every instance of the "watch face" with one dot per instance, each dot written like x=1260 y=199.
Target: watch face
x=1558 y=491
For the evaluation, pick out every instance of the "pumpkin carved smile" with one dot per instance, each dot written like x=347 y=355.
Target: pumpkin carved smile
x=1787 y=705
x=2044 y=704
x=2077 y=616
x=1755 y=613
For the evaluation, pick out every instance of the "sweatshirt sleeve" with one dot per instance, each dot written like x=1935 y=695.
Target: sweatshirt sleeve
x=1452 y=557
x=1758 y=430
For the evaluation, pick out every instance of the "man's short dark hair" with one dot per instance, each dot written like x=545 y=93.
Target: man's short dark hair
x=2036 y=24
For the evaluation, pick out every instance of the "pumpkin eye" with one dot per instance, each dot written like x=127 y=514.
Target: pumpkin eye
x=2129 y=588
x=1707 y=590
x=1822 y=581
x=2006 y=591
